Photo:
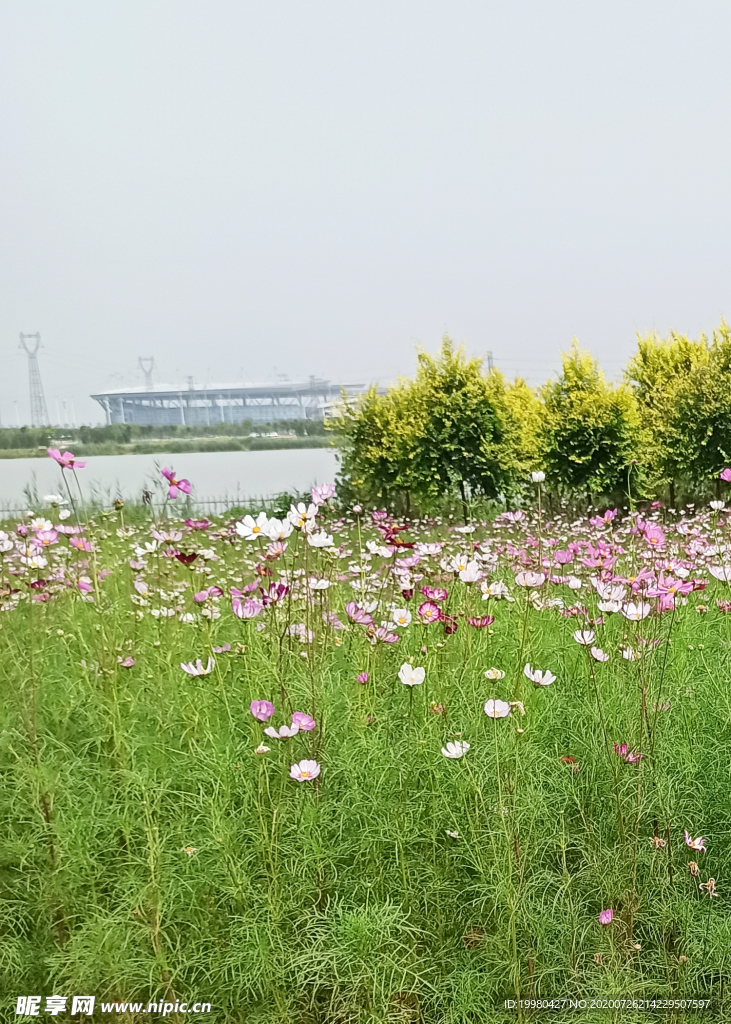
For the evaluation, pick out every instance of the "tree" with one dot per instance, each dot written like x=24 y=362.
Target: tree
x=701 y=415
x=465 y=426
x=658 y=372
x=591 y=429
x=377 y=440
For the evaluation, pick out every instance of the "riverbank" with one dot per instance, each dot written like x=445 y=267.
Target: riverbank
x=180 y=446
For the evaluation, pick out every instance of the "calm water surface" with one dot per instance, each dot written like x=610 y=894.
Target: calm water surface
x=214 y=475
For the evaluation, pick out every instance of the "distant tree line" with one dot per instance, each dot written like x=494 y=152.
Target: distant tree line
x=129 y=433
x=454 y=429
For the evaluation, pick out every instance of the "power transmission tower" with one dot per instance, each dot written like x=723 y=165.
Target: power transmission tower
x=38 y=410
x=490 y=362
x=147 y=370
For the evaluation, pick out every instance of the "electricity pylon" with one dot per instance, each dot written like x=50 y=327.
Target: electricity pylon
x=147 y=370
x=38 y=410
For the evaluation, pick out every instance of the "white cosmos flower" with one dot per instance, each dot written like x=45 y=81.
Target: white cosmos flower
x=41 y=524
x=717 y=505
x=284 y=732
x=635 y=612
x=35 y=562
x=456 y=564
x=598 y=654
x=721 y=572
x=279 y=529
x=64 y=513
x=401 y=616
x=494 y=673
x=530 y=579
x=411 y=676
x=574 y=583
x=250 y=528
x=315 y=584
x=585 y=637
x=538 y=477
x=320 y=540
x=301 y=515
x=628 y=653
x=496 y=590
x=5 y=542
x=455 y=749
x=609 y=606
x=195 y=668
x=55 y=499
x=538 y=677
x=496 y=708
x=464 y=529
x=471 y=572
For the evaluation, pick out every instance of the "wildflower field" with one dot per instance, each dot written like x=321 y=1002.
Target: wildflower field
x=335 y=767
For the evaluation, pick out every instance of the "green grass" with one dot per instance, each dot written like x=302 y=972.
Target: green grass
x=345 y=900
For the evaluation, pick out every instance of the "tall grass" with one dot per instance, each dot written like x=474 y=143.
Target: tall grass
x=148 y=851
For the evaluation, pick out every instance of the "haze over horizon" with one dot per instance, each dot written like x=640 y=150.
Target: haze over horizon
x=244 y=191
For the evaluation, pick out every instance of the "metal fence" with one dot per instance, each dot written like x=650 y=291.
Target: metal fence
x=188 y=507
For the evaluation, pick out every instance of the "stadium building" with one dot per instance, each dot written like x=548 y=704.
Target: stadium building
x=161 y=405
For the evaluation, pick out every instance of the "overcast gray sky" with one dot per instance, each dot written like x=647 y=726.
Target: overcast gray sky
x=314 y=186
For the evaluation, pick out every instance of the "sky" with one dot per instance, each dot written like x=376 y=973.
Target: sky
x=315 y=187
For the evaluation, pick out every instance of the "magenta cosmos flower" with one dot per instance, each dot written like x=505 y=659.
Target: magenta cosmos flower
x=182 y=486
x=605 y=917
x=262 y=710
x=65 y=460
x=304 y=771
x=725 y=475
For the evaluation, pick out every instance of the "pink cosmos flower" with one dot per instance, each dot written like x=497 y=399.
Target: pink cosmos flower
x=65 y=461
x=304 y=721
x=606 y=916
x=654 y=535
x=384 y=635
x=127 y=662
x=247 y=609
x=628 y=754
x=695 y=844
x=331 y=619
x=362 y=678
x=85 y=585
x=725 y=475
x=305 y=771
x=429 y=612
x=198 y=524
x=262 y=710
x=45 y=538
x=81 y=544
x=480 y=623
x=223 y=649
x=357 y=614
x=182 y=486
x=435 y=593
x=322 y=492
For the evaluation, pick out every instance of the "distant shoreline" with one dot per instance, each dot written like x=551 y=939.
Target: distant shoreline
x=180 y=446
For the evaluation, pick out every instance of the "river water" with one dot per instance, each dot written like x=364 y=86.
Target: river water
x=222 y=477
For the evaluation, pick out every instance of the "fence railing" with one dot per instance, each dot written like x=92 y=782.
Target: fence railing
x=190 y=506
